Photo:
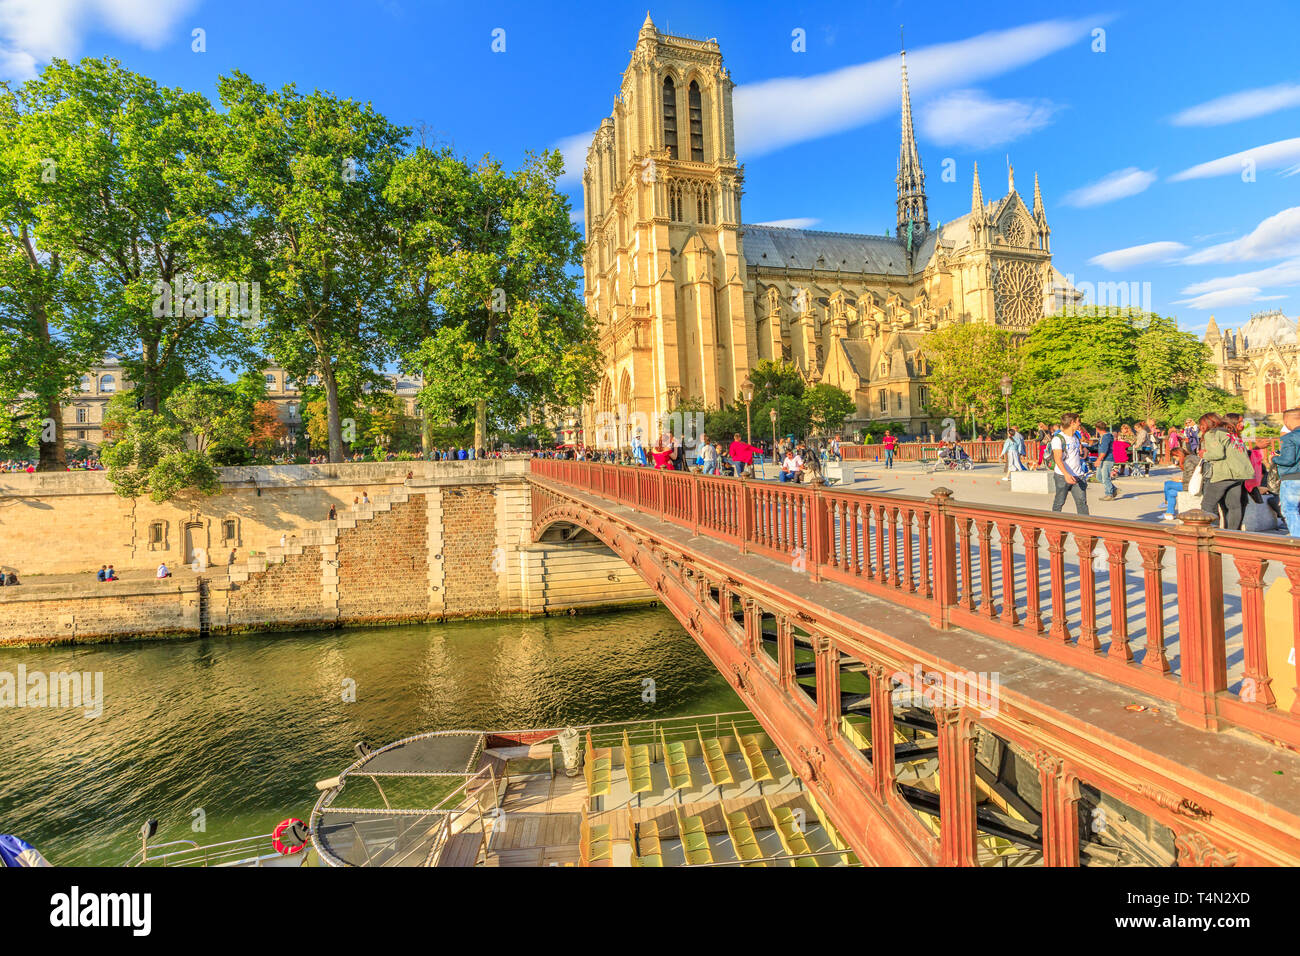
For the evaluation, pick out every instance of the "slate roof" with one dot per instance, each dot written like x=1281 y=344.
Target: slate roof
x=777 y=247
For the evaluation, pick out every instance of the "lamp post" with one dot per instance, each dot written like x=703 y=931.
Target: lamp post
x=772 y=414
x=748 y=391
x=1006 y=398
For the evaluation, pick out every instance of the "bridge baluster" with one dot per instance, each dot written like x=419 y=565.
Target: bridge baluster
x=1154 y=658
x=987 y=604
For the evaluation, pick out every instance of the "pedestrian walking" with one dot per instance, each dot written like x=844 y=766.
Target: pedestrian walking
x=1067 y=471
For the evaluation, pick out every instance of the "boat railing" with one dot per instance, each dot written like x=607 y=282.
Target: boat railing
x=648 y=730
x=249 y=851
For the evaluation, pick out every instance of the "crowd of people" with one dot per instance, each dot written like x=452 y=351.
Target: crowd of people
x=17 y=465
x=1223 y=469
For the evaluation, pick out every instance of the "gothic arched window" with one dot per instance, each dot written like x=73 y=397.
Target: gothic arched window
x=670 y=117
x=697 y=123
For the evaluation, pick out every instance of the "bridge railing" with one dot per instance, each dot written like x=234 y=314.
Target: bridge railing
x=1141 y=605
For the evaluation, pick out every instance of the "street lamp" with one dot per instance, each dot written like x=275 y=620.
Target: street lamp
x=748 y=392
x=772 y=414
x=1006 y=398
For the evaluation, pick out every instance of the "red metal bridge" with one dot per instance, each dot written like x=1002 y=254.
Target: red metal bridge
x=963 y=685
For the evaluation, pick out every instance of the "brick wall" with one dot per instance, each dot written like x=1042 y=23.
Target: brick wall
x=283 y=596
x=471 y=582
x=105 y=612
x=383 y=566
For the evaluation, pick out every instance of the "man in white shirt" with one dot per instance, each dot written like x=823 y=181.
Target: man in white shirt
x=1068 y=475
x=791 y=466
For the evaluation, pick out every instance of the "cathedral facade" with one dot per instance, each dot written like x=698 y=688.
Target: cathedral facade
x=688 y=299
x=1260 y=362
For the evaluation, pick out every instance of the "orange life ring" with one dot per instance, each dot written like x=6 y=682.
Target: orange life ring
x=278 y=845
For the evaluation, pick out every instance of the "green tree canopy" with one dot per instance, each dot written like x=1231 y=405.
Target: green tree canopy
x=487 y=291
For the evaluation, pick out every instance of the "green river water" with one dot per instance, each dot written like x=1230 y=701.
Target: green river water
x=242 y=728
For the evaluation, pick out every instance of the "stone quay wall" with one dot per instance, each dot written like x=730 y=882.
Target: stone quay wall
x=452 y=541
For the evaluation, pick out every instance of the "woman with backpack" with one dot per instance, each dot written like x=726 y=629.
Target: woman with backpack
x=1229 y=468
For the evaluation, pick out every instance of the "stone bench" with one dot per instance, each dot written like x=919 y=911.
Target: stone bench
x=1032 y=483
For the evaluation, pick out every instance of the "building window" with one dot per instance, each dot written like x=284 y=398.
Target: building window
x=703 y=205
x=270 y=381
x=313 y=379
x=884 y=400
x=81 y=416
x=697 y=123
x=230 y=531
x=292 y=410
x=670 y=117
x=108 y=384
x=87 y=385
x=675 y=201
x=924 y=395
x=158 y=536
x=899 y=403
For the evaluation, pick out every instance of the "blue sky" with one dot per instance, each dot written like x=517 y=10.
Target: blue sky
x=1136 y=145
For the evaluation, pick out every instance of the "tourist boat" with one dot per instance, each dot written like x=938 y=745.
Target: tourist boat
x=693 y=791
x=708 y=790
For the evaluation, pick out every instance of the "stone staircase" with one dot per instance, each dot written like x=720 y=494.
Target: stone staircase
x=325 y=536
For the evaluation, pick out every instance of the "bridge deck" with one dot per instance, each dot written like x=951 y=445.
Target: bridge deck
x=1059 y=695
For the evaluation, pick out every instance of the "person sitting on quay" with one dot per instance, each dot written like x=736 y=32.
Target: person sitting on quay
x=162 y=571
x=334 y=514
x=102 y=574
x=110 y=574
x=741 y=455
x=791 y=466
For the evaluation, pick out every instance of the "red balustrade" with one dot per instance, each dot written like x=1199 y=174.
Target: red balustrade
x=979 y=451
x=1086 y=592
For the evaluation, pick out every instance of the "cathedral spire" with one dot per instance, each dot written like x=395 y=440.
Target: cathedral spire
x=913 y=217
x=977 y=195
x=1039 y=212
x=648 y=28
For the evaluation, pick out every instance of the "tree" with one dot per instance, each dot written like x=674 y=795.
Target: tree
x=827 y=406
x=486 y=288
x=967 y=363
x=771 y=378
x=128 y=192
x=217 y=417
x=1108 y=365
x=267 y=431
x=47 y=336
x=152 y=458
x=313 y=168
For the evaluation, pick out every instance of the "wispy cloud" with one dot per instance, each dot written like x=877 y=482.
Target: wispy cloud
x=798 y=223
x=1120 y=259
x=1112 y=186
x=973 y=119
x=1269 y=156
x=1282 y=274
x=1239 y=106
x=776 y=113
x=1226 y=298
x=1276 y=237
x=33 y=31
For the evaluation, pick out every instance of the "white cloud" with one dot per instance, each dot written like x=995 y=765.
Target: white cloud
x=971 y=118
x=1276 y=237
x=1224 y=298
x=1264 y=157
x=33 y=31
x=1282 y=274
x=1120 y=259
x=574 y=149
x=798 y=223
x=1239 y=106
x=772 y=114
x=1112 y=186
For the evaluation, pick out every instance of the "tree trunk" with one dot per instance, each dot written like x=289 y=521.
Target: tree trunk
x=480 y=424
x=146 y=391
x=332 y=411
x=52 y=455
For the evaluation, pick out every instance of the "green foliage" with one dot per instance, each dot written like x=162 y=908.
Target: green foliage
x=827 y=406
x=967 y=363
x=771 y=378
x=486 y=291
x=152 y=458
x=1109 y=366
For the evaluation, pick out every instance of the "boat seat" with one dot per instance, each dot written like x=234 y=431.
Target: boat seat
x=715 y=759
x=695 y=839
x=676 y=763
x=751 y=751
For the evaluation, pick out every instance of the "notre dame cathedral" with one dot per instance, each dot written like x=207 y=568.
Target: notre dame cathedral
x=688 y=299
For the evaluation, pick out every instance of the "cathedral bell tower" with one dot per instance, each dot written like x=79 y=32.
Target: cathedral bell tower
x=913 y=217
